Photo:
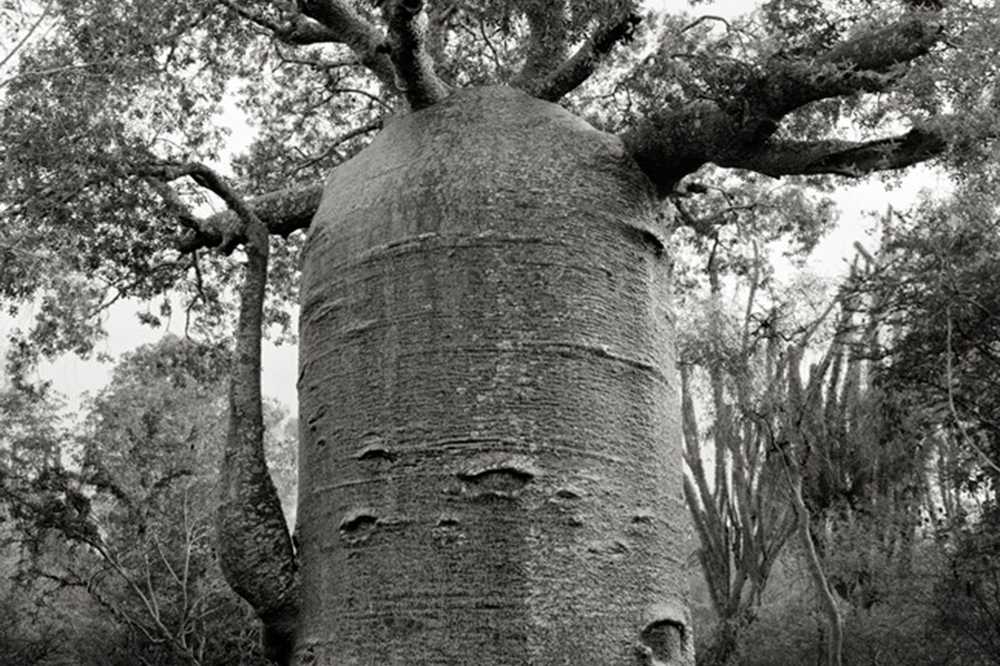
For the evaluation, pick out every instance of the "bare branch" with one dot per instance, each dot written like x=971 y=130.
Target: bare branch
x=210 y=180
x=27 y=35
x=408 y=48
x=702 y=19
x=175 y=204
x=336 y=143
x=281 y=212
x=579 y=67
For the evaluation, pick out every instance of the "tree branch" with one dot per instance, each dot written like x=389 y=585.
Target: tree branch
x=674 y=143
x=367 y=128
x=281 y=212
x=27 y=35
x=407 y=46
x=853 y=159
x=349 y=28
x=546 y=41
x=869 y=62
x=175 y=204
x=298 y=31
x=578 y=68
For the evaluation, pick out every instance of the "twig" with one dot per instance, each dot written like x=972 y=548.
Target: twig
x=28 y=34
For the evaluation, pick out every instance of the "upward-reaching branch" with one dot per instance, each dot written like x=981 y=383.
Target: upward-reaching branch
x=670 y=144
x=408 y=47
x=546 y=40
x=581 y=65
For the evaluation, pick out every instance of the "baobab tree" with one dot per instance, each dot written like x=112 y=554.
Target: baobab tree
x=490 y=450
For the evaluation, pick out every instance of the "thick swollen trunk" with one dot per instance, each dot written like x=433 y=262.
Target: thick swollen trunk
x=490 y=451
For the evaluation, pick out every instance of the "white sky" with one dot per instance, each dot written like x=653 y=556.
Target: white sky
x=74 y=377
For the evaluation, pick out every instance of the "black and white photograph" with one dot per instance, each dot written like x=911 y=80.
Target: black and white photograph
x=499 y=333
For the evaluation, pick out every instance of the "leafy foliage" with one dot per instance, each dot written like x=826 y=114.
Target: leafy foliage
x=123 y=514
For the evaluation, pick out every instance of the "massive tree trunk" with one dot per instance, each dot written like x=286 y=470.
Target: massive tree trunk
x=490 y=452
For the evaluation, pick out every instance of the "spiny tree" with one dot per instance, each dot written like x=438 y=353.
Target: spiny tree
x=489 y=451
x=740 y=506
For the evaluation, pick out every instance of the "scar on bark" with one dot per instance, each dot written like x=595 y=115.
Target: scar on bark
x=358 y=525
x=663 y=636
x=503 y=480
x=660 y=642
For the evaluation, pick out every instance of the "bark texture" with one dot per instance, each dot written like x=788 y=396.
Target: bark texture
x=490 y=450
x=255 y=550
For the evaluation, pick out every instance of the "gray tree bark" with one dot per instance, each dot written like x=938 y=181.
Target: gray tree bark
x=490 y=447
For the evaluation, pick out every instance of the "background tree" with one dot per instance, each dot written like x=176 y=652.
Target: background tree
x=128 y=526
x=871 y=449
x=741 y=506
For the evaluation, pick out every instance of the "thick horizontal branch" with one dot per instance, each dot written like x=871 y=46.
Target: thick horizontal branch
x=844 y=158
x=281 y=211
x=869 y=62
x=581 y=65
x=408 y=47
x=673 y=143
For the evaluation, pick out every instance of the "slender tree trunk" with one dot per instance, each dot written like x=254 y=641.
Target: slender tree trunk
x=490 y=452
x=255 y=550
x=835 y=624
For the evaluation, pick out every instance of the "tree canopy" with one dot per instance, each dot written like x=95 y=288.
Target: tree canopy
x=105 y=110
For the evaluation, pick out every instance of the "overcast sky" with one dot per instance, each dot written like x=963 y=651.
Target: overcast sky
x=74 y=377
